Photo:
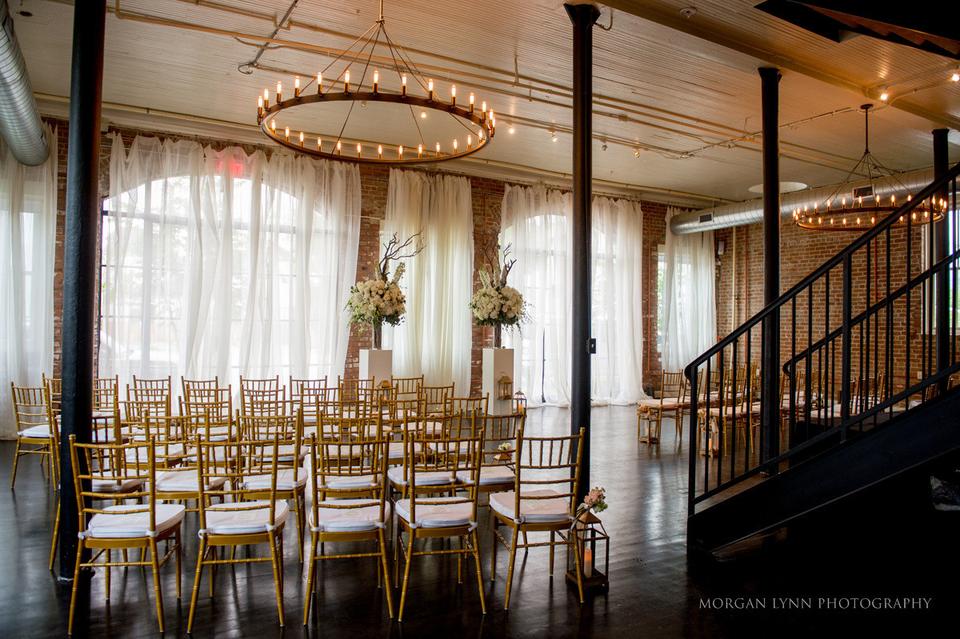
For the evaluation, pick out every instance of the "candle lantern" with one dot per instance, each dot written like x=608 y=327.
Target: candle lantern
x=593 y=542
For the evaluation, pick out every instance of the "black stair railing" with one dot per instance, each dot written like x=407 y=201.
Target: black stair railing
x=869 y=334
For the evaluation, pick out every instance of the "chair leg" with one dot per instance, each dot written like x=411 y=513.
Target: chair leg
x=56 y=534
x=474 y=542
x=406 y=574
x=513 y=561
x=196 y=584
x=311 y=576
x=155 y=564
x=493 y=547
x=459 y=561
x=73 y=593
x=552 y=535
x=106 y=574
x=16 y=462
x=277 y=568
x=299 y=521
x=179 y=559
x=382 y=541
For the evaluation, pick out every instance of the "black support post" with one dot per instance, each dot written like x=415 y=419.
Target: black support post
x=941 y=249
x=79 y=257
x=583 y=17
x=770 y=363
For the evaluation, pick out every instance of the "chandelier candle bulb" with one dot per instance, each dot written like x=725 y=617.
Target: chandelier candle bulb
x=438 y=148
x=319 y=144
x=319 y=82
x=266 y=98
x=339 y=147
x=259 y=105
x=430 y=89
x=400 y=151
x=359 y=149
x=380 y=151
x=296 y=86
x=376 y=80
x=471 y=102
x=469 y=141
x=419 y=150
x=301 y=138
x=346 y=81
x=279 y=92
x=286 y=133
x=453 y=94
x=403 y=84
x=454 y=145
x=273 y=125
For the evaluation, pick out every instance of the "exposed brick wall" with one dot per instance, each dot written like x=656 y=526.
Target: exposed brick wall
x=487 y=196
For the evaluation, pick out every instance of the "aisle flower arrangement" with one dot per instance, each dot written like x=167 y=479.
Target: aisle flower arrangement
x=495 y=303
x=380 y=299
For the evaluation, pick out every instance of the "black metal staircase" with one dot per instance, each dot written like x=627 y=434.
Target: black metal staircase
x=868 y=353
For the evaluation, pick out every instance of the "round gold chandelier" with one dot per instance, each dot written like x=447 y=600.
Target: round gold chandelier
x=857 y=212
x=473 y=124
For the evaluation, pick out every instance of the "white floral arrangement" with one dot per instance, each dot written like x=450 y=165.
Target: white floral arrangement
x=380 y=299
x=495 y=303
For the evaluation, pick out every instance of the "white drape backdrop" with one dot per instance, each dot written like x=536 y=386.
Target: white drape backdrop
x=690 y=307
x=28 y=223
x=536 y=221
x=435 y=338
x=227 y=264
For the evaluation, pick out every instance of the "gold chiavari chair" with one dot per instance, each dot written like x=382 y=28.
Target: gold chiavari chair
x=419 y=434
x=498 y=460
x=200 y=389
x=467 y=406
x=407 y=387
x=261 y=396
x=727 y=415
x=434 y=398
x=397 y=416
x=543 y=499
x=290 y=477
x=301 y=389
x=123 y=525
x=37 y=430
x=355 y=390
x=238 y=520
x=179 y=482
x=53 y=389
x=151 y=423
x=423 y=515
x=151 y=389
x=671 y=400
x=106 y=409
x=348 y=494
x=210 y=416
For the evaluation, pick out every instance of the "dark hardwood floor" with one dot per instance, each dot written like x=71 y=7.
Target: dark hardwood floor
x=655 y=591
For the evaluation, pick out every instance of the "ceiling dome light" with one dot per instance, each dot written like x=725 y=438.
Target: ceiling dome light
x=884 y=96
x=955 y=76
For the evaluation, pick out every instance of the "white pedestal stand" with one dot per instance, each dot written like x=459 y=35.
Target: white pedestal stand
x=498 y=364
x=376 y=364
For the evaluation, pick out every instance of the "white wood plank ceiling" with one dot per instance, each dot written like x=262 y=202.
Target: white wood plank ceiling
x=675 y=110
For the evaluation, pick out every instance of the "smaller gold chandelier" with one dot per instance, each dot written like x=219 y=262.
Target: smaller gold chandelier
x=859 y=213
x=473 y=123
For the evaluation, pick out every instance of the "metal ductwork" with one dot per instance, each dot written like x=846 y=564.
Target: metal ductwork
x=751 y=211
x=20 y=125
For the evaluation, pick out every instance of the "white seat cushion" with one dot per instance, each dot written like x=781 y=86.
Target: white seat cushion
x=490 y=476
x=130 y=525
x=532 y=510
x=138 y=454
x=396 y=450
x=104 y=485
x=285 y=480
x=40 y=431
x=104 y=436
x=335 y=482
x=186 y=481
x=437 y=512
x=365 y=517
x=436 y=478
x=223 y=521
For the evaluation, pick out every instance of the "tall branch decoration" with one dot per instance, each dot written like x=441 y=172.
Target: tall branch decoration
x=379 y=299
x=495 y=303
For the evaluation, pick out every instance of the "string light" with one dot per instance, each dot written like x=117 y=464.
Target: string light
x=346 y=81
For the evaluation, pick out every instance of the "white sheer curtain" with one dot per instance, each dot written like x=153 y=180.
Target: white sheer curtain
x=436 y=336
x=223 y=263
x=536 y=221
x=28 y=223
x=690 y=307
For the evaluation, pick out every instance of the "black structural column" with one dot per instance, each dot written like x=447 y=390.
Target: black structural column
x=941 y=244
x=583 y=17
x=770 y=384
x=79 y=257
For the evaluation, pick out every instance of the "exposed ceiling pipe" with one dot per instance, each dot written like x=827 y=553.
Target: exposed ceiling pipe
x=20 y=124
x=751 y=211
